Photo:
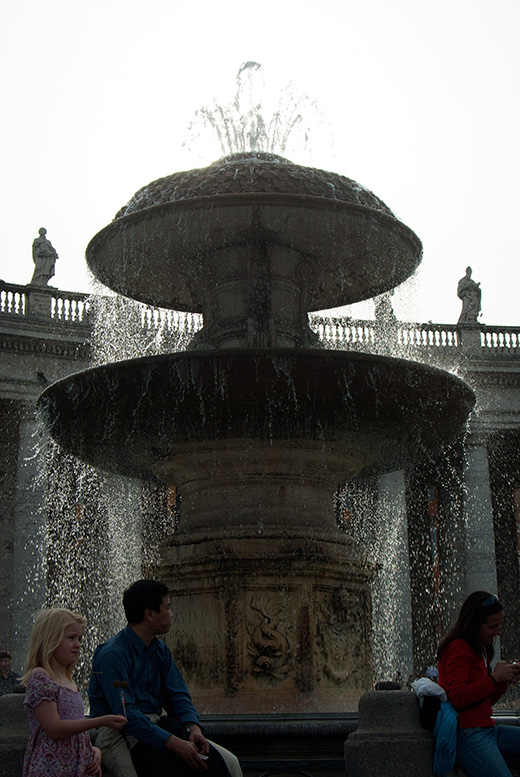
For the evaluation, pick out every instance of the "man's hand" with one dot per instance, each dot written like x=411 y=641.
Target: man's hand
x=187 y=751
x=199 y=740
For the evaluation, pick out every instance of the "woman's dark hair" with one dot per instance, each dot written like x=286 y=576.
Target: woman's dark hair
x=141 y=596
x=474 y=612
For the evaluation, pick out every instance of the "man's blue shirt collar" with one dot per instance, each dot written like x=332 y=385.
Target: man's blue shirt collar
x=138 y=643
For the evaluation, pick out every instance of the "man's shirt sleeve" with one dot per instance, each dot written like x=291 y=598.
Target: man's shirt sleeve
x=110 y=667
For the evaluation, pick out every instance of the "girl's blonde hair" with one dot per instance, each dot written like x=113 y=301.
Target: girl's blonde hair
x=48 y=631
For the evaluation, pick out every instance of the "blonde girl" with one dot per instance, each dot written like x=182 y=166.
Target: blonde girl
x=59 y=745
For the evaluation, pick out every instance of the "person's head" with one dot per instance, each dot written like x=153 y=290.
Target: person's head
x=5 y=662
x=142 y=596
x=51 y=629
x=479 y=622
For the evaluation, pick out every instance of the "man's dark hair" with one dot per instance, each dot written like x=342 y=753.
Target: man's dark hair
x=141 y=596
x=5 y=654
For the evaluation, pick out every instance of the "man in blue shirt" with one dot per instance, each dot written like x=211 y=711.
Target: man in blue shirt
x=133 y=674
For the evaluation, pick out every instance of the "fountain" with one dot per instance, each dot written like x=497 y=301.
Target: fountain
x=255 y=423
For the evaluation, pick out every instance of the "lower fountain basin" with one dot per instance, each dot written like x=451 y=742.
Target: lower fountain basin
x=129 y=417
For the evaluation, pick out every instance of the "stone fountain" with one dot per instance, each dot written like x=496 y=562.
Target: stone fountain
x=256 y=424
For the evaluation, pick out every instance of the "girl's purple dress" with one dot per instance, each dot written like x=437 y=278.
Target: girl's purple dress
x=46 y=757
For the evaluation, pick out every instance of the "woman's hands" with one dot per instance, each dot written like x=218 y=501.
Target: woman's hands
x=506 y=673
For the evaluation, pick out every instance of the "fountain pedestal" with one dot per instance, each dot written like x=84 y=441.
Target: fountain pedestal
x=271 y=604
x=273 y=624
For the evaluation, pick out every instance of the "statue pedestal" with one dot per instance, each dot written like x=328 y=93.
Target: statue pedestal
x=470 y=339
x=277 y=623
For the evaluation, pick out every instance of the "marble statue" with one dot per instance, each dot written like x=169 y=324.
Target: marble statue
x=44 y=258
x=470 y=294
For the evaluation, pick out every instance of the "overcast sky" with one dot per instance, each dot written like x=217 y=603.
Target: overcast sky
x=419 y=102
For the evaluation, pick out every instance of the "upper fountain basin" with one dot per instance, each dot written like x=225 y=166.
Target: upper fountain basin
x=131 y=416
x=165 y=246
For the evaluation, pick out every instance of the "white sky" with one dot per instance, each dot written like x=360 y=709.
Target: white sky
x=422 y=98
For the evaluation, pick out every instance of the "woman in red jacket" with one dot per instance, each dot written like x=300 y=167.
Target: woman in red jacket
x=472 y=687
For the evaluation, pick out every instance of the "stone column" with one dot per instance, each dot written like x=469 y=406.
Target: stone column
x=478 y=514
x=392 y=607
x=29 y=539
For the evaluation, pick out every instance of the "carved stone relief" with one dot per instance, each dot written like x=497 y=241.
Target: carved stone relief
x=341 y=638
x=268 y=644
x=195 y=639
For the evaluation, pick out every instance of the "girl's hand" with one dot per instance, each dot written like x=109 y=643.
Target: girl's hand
x=113 y=721
x=94 y=767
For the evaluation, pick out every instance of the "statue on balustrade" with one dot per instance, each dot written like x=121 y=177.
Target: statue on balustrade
x=44 y=258
x=383 y=309
x=470 y=294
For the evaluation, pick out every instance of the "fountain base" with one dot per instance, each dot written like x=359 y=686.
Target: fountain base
x=274 y=624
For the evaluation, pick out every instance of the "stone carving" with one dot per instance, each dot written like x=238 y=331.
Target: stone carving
x=44 y=258
x=268 y=647
x=470 y=294
x=341 y=639
x=198 y=653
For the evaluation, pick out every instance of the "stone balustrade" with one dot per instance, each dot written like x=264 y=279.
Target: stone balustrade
x=345 y=333
x=44 y=302
x=70 y=307
x=413 y=339
x=13 y=299
x=400 y=337
x=410 y=335
x=169 y=320
x=503 y=339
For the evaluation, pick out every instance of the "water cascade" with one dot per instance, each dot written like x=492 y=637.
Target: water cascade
x=256 y=424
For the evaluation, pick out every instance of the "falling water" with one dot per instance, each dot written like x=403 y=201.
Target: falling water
x=126 y=329
x=102 y=530
x=372 y=515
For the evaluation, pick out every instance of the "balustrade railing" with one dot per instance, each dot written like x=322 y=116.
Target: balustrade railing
x=69 y=307
x=400 y=337
x=427 y=335
x=344 y=332
x=43 y=302
x=13 y=300
x=159 y=319
x=407 y=339
x=501 y=338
